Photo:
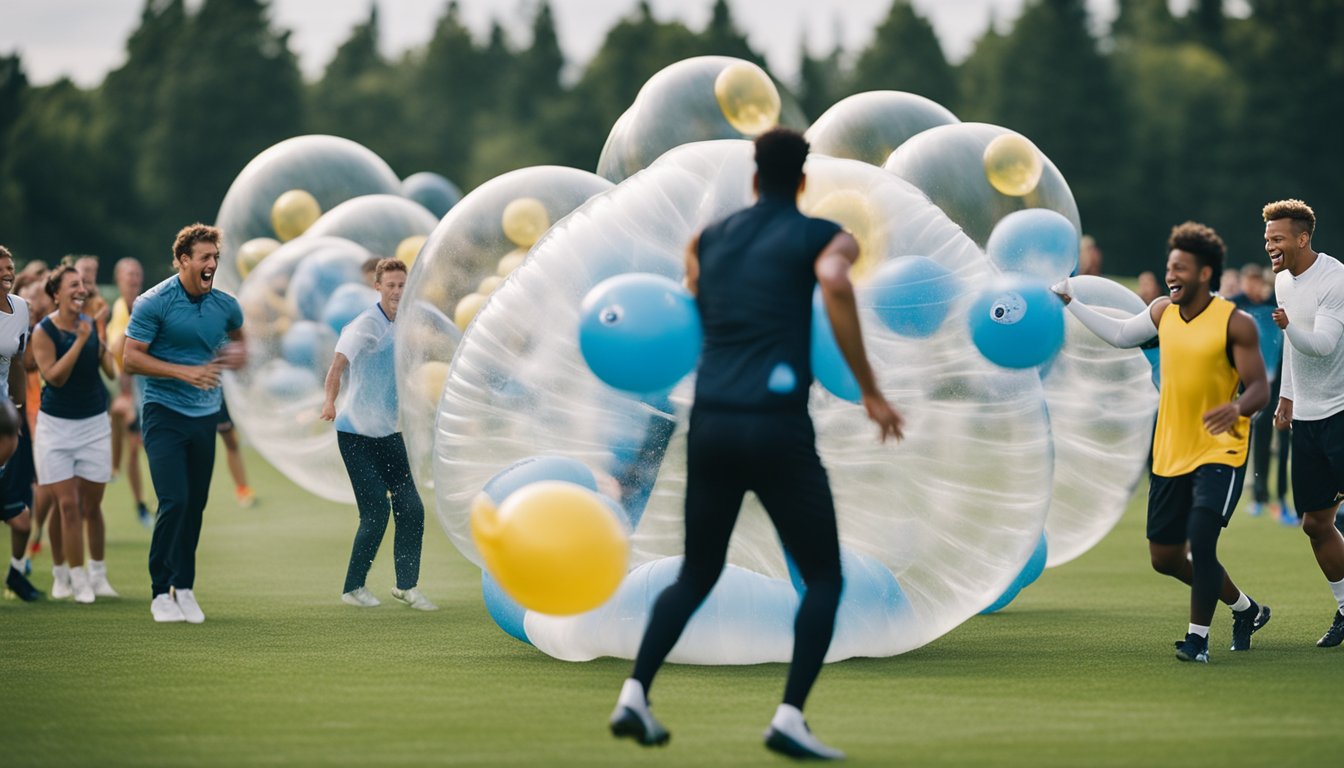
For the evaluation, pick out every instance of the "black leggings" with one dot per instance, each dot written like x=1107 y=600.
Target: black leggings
x=378 y=467
x=773 y=455
x=1206 y=581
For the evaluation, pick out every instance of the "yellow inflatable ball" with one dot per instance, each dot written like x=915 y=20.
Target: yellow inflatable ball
x=525 y=220
x=510 y=261
x=489 y=284
x=293 y=213
x=1013 y=165
x=428 y=380
x=553 y=546
x=409 y=248
x=253 y=251
x=851 y=210
x=748 y=98
x=466 y=309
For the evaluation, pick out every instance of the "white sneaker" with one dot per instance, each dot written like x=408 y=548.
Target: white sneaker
x=79 y=582
x=632 y=719
x=361 y=597
x=165 y=609
x=789 y=735
x=98 y=577
x=60 y=582
x=191 y=610
x=414 y=598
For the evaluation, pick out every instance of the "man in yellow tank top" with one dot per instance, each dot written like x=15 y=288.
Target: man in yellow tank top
x=1209 y=349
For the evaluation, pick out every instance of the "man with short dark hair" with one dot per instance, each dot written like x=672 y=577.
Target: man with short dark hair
x=182 y=334
x=1310 y=290
x=1209 y=349
x=753 y=275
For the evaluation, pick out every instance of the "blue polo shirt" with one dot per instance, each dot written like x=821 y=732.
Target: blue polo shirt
x=186 y=330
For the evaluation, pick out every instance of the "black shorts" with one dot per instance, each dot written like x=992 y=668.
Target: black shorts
x=1215 y=487
x=223 y=421
x=16 y=482
x=1318 y=463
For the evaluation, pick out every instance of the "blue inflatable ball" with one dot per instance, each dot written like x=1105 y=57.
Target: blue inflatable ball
x=1038 y=242
x=911 y=295
x=346 y=303
x=1017 y=322
x=535 y=469
x=507 y=613
x=288 y=382
x=1029 y=574
x=432 y=191
x=307 y=344
x=319 y=275
x=640 y=332
x=828 y=364
x=1154 y=357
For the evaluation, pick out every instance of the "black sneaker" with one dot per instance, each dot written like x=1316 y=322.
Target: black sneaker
x=1193 y=648
x=1332 y=637
x=25 y=591
x=1246 y=623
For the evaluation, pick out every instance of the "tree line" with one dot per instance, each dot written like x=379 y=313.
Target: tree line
x=1164 y=118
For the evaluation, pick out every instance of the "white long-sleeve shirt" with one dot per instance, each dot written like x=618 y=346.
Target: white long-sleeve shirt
x=1313 y=358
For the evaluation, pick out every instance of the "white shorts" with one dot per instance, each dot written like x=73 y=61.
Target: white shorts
x=66 y=448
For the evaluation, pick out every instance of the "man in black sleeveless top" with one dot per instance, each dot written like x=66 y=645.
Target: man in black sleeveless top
x=753 y=274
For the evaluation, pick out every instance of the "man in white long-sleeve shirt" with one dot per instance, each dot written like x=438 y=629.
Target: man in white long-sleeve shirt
x=1310 y=290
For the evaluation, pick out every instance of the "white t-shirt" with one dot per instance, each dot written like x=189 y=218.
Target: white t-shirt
x=368 y=405
x=1315 y=383
x=13 y=338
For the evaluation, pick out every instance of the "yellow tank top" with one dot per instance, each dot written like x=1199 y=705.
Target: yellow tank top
x=1196 y=377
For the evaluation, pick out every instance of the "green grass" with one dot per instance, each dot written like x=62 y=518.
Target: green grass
x=1078 y=671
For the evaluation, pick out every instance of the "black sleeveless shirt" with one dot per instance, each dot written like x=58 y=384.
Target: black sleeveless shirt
x=757 y=275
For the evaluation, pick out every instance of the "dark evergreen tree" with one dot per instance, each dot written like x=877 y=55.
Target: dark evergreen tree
x=1058 y=90
x=905 y=56
x=230 y=90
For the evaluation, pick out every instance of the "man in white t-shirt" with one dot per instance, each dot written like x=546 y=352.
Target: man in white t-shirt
x=16 y=472
x=1310 y=291
x=372 y=448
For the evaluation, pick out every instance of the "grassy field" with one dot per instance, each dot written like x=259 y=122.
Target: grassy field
x=1078 y=671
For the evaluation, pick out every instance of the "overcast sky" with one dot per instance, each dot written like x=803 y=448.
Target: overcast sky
x=84 y=39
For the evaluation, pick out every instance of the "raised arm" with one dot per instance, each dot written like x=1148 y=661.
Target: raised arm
x=1123 y=332
x=56 y=371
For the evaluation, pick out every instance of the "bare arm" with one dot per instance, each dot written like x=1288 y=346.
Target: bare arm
x=1250 y=367
x=18 y=380
x=692 y=280
x=55 y=370
x=333 y=386
x=837 y=293
x=137 y=360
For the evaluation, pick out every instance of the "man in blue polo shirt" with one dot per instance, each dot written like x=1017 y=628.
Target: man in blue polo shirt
x=182 y=335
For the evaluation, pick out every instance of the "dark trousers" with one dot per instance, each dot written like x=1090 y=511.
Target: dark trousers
x=773 y=455
x=1262 y=434
x=378 y=468
x=181 y=453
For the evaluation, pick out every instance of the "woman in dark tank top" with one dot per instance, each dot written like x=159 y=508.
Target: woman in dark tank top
x=72 y=445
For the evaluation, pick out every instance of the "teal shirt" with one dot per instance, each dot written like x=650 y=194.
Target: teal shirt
x=185 y=330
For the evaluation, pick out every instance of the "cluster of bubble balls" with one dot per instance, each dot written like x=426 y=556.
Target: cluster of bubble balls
x=933 y=530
